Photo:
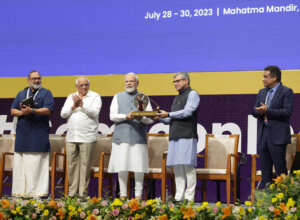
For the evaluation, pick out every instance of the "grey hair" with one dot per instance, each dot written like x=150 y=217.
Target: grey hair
x=132 y=74
x=33 y=71
x=184 y=76
x=76 y=81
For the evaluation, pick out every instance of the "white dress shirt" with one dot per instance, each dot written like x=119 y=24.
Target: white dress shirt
x=83 y=122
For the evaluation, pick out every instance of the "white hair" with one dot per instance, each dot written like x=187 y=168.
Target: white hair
x=76 y=81
x=132 y=74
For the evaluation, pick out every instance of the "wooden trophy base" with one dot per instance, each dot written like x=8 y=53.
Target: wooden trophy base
x=144 y=113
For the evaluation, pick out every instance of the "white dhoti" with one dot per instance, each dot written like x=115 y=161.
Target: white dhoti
x=30 y=174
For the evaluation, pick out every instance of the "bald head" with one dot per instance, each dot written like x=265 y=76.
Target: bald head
x=82 y=85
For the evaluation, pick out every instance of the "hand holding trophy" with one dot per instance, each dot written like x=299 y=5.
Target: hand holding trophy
x=141 y=101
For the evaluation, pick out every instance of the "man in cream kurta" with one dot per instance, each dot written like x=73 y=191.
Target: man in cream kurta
x=129 y=148
x=182 y=152
x=82 y=110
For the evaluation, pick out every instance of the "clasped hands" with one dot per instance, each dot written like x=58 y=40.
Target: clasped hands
x=25 y=110
x=77 y=102
x=262 y=109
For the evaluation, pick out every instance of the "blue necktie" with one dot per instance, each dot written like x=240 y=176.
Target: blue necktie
x=268 y=101
x=269 y=97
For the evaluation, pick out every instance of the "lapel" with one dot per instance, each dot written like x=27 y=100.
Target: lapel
x=264 y=95
x=276 y=95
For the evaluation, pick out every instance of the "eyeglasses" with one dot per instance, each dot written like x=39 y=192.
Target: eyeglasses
x=35 y=78
x=82 y=85
x=177 y=81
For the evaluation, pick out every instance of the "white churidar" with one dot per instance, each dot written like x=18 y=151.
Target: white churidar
x=139 y=177
x=185 y=174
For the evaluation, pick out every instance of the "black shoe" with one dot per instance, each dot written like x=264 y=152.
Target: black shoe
x=176 y=202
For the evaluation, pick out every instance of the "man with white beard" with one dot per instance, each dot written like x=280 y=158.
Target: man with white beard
x=32 y=146
x=129 y=147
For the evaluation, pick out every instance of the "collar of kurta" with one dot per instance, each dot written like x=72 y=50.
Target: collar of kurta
x=88 y=94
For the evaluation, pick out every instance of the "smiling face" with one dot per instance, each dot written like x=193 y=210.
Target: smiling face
x=82 y=86
x=131 y=83
x=180 y=83
x=269 y=81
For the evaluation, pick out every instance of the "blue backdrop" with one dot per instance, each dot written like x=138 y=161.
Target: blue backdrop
x=68 y=37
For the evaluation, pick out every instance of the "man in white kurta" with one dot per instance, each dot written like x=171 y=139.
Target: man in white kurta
x=82 y=110
x=129 y=147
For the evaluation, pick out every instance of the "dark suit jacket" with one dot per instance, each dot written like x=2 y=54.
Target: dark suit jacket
x=278 y=114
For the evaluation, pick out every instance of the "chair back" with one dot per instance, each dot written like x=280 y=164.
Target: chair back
x=104 y=144
x=157 y=145
x=217 y=148
x=57 y=144
x=291 y=150
x=7 y=144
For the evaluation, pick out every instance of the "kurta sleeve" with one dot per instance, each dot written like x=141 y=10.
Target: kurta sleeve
x=165 y=120
x=48 y=101
x=114 y=111
x=191 y=105
x=16 y=102
x=66 y=110
x=94 y=109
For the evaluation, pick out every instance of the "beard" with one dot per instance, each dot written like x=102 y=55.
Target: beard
x=35 y=86
x=130 y=90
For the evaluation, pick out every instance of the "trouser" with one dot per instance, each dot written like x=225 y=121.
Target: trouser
x=185 y=174
x=271 y=154
x=79 y=161
x=30 y=174
x=139 y=178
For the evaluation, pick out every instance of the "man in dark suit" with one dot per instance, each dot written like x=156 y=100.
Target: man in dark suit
x=273 y=109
